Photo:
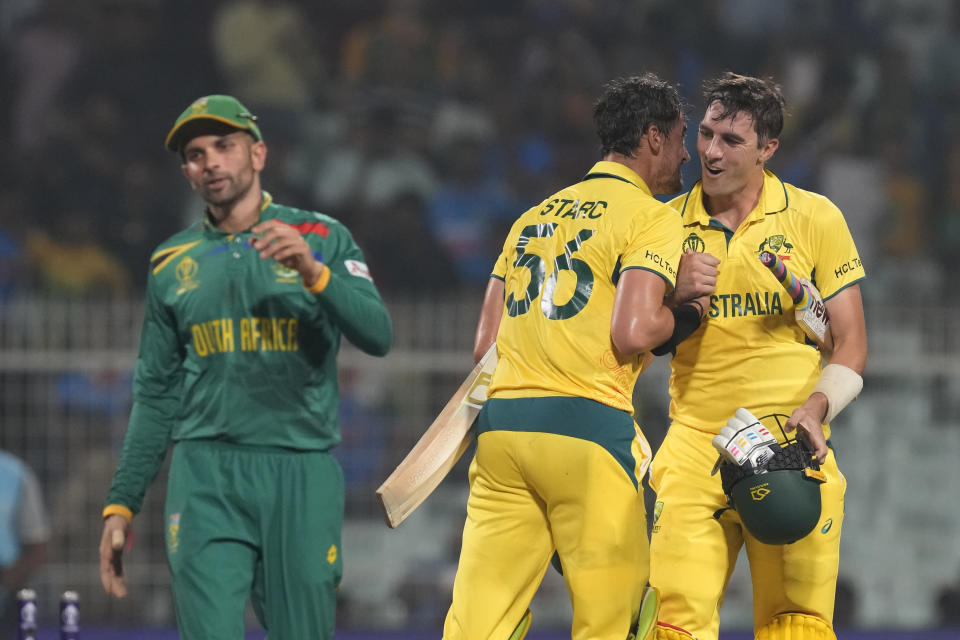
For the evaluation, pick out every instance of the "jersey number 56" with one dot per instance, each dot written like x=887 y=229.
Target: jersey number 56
x=563 y=262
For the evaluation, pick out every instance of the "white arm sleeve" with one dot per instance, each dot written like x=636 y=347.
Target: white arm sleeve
x=841 y=385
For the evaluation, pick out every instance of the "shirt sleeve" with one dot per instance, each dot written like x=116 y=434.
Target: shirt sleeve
x=352 y=299
x=156 y=399
x=509 y=251
x=33 y=522
x=837 y=264
x=654 y=245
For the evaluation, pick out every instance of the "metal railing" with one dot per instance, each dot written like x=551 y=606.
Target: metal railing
x=65 y=368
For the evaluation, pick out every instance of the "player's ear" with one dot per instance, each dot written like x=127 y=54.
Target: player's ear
x=258 y=154
x=655 y=139
x=768 y=149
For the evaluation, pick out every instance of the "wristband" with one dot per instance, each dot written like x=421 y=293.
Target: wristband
x=699 y=306
x=841 y=385
x=118 y=509
x=321 y=282
x=686 y=320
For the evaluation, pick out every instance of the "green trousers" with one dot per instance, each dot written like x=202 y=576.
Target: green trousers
x=252 y=522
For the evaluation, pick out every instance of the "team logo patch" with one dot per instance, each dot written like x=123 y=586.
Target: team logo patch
x=357 y=268
x=759 y=492
x=186 y=273
x=285 y=274
x=777 y=244
x=198 y=107
x=173 y=533
x=657 y=510
x=694 y=243
x=332 y=554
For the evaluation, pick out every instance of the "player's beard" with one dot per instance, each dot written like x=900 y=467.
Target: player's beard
x=676 y=183
x=237 y=187
x=672 y=183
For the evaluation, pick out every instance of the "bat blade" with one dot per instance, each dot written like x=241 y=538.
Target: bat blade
x=440 y=446
x=811 y=313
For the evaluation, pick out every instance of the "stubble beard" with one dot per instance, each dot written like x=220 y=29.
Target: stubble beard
x=229 y=196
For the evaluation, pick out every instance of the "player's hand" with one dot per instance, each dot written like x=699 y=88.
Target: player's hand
x=283 y=243
x=112 y=543
x=744 y=441
x=807 y=420
x=696 y=277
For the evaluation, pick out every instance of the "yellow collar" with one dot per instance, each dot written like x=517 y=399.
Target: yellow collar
x=606 y=169
x=773 y=199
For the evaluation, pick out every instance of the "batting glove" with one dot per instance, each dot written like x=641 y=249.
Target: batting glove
x=744 y=441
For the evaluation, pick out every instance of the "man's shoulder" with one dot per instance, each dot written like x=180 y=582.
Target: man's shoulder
x=306 y=221
x=684 y=203
x=808 y=202
x=193 y=233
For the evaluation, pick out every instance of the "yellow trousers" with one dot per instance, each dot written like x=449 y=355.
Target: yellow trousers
x=531 y=493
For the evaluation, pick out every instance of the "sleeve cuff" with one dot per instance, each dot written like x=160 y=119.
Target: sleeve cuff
x=321 y=282
x=118 y=509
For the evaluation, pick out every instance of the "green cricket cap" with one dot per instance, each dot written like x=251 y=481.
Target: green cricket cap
x=211 y=114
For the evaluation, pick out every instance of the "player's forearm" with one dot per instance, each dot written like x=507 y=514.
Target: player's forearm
x=643 y=332
x=144 y=448
x=359 y=313
x=490 y=315
x=686 y=320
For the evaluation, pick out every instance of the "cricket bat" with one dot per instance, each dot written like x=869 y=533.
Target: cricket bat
x=440 y=446
x=811 y=313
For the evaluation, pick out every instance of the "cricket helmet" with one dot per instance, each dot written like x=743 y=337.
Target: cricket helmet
x=781 y=503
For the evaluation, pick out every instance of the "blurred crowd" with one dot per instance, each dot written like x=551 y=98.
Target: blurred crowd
x=427 y=125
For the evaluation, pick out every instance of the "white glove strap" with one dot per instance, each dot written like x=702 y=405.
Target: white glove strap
x=841 y=385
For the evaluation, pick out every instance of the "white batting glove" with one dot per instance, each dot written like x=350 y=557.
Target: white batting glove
x=746 y=442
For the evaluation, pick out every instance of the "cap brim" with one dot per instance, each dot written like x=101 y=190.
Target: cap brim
x=200 y=125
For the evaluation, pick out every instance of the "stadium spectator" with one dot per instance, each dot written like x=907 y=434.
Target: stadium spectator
x=24 y=534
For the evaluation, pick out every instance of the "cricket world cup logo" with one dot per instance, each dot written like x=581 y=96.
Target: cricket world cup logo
x=186 y=273
x=694 y=243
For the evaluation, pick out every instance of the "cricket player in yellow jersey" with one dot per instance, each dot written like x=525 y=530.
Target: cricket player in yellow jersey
x=575 y=303
x=749 y=352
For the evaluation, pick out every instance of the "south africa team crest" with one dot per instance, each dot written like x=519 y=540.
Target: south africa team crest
x=285 y=274
x=198 y=107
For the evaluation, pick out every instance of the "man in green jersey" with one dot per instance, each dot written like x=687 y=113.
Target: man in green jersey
x=237 y=369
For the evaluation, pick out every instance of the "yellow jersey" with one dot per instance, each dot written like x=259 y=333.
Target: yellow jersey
x=749 y=351
x=560 y=265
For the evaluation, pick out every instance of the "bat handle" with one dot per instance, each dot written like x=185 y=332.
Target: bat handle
x=796 y=291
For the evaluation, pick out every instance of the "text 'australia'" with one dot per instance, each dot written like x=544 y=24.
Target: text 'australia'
x=751 y=303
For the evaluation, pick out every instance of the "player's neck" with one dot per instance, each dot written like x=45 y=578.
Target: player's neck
x=239 y=215
x=731 y=209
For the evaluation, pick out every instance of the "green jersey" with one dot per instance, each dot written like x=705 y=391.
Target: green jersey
x=235 y=349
